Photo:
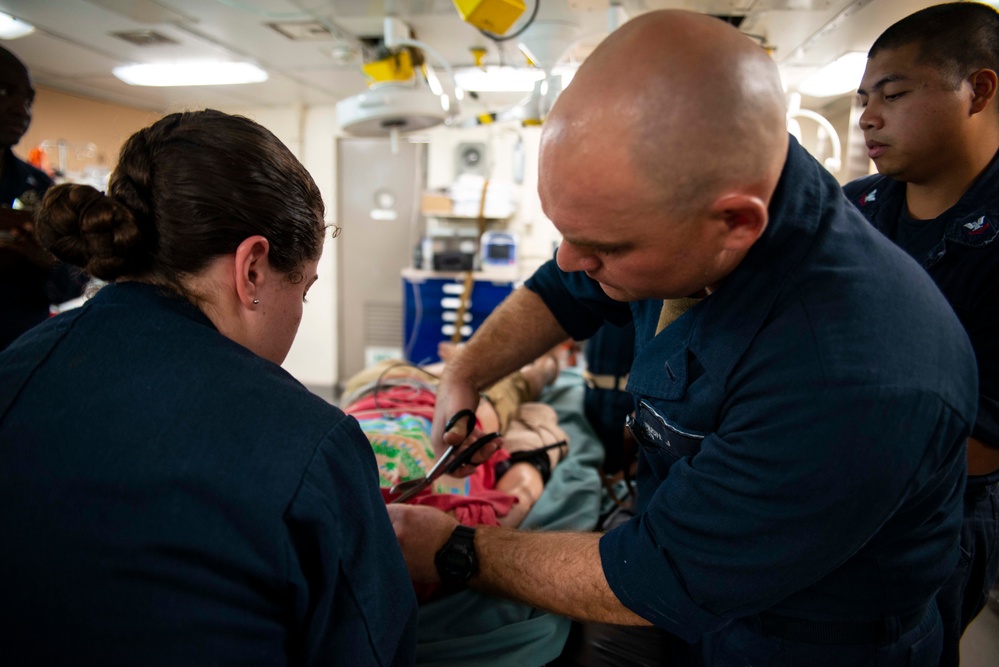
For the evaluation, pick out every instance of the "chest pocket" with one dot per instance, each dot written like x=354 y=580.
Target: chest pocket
x=658 y=437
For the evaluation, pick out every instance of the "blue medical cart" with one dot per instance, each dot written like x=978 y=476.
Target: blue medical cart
x=432 y=300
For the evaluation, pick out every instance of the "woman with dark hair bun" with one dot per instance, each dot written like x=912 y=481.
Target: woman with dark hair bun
x=171 y=495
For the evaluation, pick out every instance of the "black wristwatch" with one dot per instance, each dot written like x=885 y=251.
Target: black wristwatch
x=456 y=561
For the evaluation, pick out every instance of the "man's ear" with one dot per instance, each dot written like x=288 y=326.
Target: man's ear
x=251 y=269
x=983 y=86
x=745 y=217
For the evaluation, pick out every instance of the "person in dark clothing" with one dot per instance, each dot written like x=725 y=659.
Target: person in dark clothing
x=609 y=353
x=30 y=280
x=931 y=121
x=171 y=495
x=784 y=517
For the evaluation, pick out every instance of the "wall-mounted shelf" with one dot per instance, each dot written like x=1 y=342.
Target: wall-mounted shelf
x=464 y=218
x=434 y=205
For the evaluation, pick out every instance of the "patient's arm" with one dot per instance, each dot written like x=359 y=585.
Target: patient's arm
x=523 y=481
x=535 y=427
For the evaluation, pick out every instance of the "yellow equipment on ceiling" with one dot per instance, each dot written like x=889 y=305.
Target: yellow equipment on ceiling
x=495 y=16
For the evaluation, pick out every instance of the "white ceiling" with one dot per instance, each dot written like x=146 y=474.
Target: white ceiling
x=74 y=47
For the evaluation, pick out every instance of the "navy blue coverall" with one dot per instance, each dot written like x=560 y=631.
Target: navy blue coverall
x=170 y=498
x=959 y=251
x=802 y=437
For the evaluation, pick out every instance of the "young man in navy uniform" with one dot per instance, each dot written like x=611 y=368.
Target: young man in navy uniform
x=932 y=129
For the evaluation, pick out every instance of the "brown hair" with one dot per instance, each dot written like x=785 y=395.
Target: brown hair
x=187 y=189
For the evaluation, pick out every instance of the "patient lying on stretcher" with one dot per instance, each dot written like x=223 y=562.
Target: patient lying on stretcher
x=394 y=403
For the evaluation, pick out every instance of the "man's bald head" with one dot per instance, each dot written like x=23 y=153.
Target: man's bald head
x=697 y=106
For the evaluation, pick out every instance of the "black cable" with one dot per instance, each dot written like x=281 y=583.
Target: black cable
x=520 y=31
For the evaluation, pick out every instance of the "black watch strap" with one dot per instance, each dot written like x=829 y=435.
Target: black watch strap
x=456 y=561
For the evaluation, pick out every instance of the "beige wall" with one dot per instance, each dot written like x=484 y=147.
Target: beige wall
x=310 y=133
x=93 y=131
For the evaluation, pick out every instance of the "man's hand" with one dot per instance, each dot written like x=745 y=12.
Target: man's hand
x=18 y=239
x=453 y=395
x=517 y=332
x=18 y=223
x=421 y=532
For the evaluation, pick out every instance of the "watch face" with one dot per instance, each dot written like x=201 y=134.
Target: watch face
x=456 y=562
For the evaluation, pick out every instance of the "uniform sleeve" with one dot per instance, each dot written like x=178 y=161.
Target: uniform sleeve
x=576 y=301
x=800 y=475
x=354 y=602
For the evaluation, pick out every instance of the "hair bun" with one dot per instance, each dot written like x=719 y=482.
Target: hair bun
x=82 y=226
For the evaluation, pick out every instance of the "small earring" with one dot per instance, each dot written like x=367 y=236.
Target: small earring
x=256 y=301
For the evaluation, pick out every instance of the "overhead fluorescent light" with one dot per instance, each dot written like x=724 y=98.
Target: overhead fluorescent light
x=839 y=77
x=493 y=79
x=190 y=74
x=12 y=28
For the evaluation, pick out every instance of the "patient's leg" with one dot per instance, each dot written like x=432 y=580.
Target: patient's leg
x=508 y=394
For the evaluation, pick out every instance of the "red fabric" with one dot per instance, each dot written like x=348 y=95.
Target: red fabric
x=481 y=507
x=483 y=504
x=418 y=402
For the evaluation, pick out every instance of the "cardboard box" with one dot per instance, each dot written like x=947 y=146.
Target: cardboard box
x=436 y=204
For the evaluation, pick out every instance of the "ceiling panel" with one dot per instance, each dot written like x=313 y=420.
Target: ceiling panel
x=75 y=51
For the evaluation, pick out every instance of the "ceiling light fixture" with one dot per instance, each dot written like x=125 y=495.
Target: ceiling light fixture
x=493 y=79
x=393 y=104
x=12 y=28
x=839 y=77
x=190 y=74
x=390 y=106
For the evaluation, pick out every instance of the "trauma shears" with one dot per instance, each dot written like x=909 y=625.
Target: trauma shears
x=448 y=462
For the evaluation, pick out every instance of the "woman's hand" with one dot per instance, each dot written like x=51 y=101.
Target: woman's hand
x=421 y=532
